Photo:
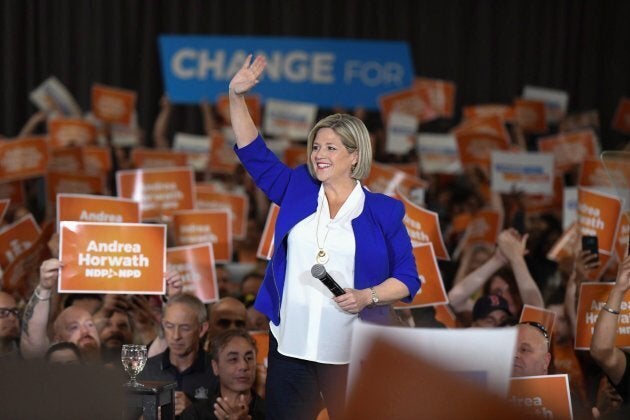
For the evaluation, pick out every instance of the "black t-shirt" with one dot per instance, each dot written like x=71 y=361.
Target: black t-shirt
x=204 y=410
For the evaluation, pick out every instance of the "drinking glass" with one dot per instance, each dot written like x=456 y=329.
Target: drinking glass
x=134 y=357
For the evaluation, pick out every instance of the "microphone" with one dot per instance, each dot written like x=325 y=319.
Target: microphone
x=319 y=272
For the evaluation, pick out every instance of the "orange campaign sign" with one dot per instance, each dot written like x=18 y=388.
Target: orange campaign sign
x=16 y=273
x=406 y=101
x=4 y=205
x=63 y=182
x=475 y=148
x=71 y=132
x=222 y=156
x=437 y=94
x=598 y=214
x=545 y=396
x=14 y=191
x=444 y=314
x=530 y=115
x=593 y=174
x=424 y=226
x=112 y=258
x=570 y=149
x=151 y=158
x=591 y=299
x=253 y=105
x=262 y=346
x=265 y=246
x=492 y=125
x=17 y=238
x=432 y=290
x=95 y=208
x=623 y=237
x=621 y=120
x=387 y=179
x=97 y=158
x=159 y=191
x=202 y=226
x=505 y=112
x=113 y=105
x=67 y=159
x=195 y=265
x=237 y=203
x=295 y=156
x=542 y=316
x=23 y=158
x=483 y=228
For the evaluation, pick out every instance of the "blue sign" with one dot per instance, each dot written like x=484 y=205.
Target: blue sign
x=327 y=72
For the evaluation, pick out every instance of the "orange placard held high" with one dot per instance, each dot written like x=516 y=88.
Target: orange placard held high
x=159 y=191
x=71 y=132
x=475 y=149
x=545 y=397
x=236 y=203
x=23 y=158
x=424 y=226
x=432 y=290
x=222 y=156
x=593 y=174
x=66 y=159
x=112 y=258
x=76 y=183
x=543 y=316
x=151 y=158
x=570 y=149
x=567 y=246
x=195 y=265
x=253 y=105
x=484 y=228
x=17 y=238
x=531 y=115
x=505 y=112
x=113 y=105
x=94 y=208
x=591 y=299
x=621 y=120
x=387 y=179
x=265 y=246
x=97 y=158
x=439 y=95
x=406 y=101
x=598 y=214
x=202 y=226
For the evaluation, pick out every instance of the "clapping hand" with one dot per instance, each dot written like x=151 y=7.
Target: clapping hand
x=248 y=75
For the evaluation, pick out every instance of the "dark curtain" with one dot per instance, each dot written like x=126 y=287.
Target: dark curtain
x=489 y=48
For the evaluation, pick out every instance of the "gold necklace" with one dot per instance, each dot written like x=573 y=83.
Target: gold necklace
x=322 y=256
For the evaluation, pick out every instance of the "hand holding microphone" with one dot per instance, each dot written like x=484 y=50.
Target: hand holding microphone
x=319 y=272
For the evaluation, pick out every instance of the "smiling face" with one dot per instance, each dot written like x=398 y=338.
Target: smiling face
x=331 y=161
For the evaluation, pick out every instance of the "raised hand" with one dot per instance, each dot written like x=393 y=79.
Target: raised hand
x=623 y=275
x=248 y=75
x=512 y=244
x=48 y=273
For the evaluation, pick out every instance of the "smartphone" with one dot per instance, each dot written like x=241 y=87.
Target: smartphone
x=590 y=244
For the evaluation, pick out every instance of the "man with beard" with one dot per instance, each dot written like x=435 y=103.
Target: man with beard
x=114 y=331
x=75 y=325
x=9 y=327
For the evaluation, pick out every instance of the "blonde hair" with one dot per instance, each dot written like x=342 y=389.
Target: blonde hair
x=354 y=136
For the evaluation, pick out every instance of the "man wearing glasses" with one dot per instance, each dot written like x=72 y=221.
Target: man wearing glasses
x=532 y=356
x=9 y=326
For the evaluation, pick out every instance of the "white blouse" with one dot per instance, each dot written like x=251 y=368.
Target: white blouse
x=312 y=327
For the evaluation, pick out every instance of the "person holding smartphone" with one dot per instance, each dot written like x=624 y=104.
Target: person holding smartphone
x=326 y=217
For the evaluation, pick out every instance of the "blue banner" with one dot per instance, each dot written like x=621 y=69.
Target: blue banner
x=327 y=72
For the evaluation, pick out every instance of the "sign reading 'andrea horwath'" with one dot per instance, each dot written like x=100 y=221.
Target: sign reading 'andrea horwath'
x=327 y=72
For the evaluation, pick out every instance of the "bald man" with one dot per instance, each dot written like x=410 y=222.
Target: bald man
x=532 y=355
x=75 y=325
x=9 y=325
x=226 y=314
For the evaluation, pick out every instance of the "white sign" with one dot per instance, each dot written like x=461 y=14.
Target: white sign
x=52 y=96
x=438 y=153
x=484 y=356
x=569 y=207
x=531 y=173
x=556 y=101
x=401 y=130
x=197 y=147
x=293 y=120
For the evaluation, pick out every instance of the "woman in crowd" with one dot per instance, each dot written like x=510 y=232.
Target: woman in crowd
x=326 y=218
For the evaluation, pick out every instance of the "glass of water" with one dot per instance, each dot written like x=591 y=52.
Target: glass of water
x=134 y=357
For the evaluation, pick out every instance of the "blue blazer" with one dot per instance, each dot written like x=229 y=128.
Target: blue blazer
x=383 y=246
